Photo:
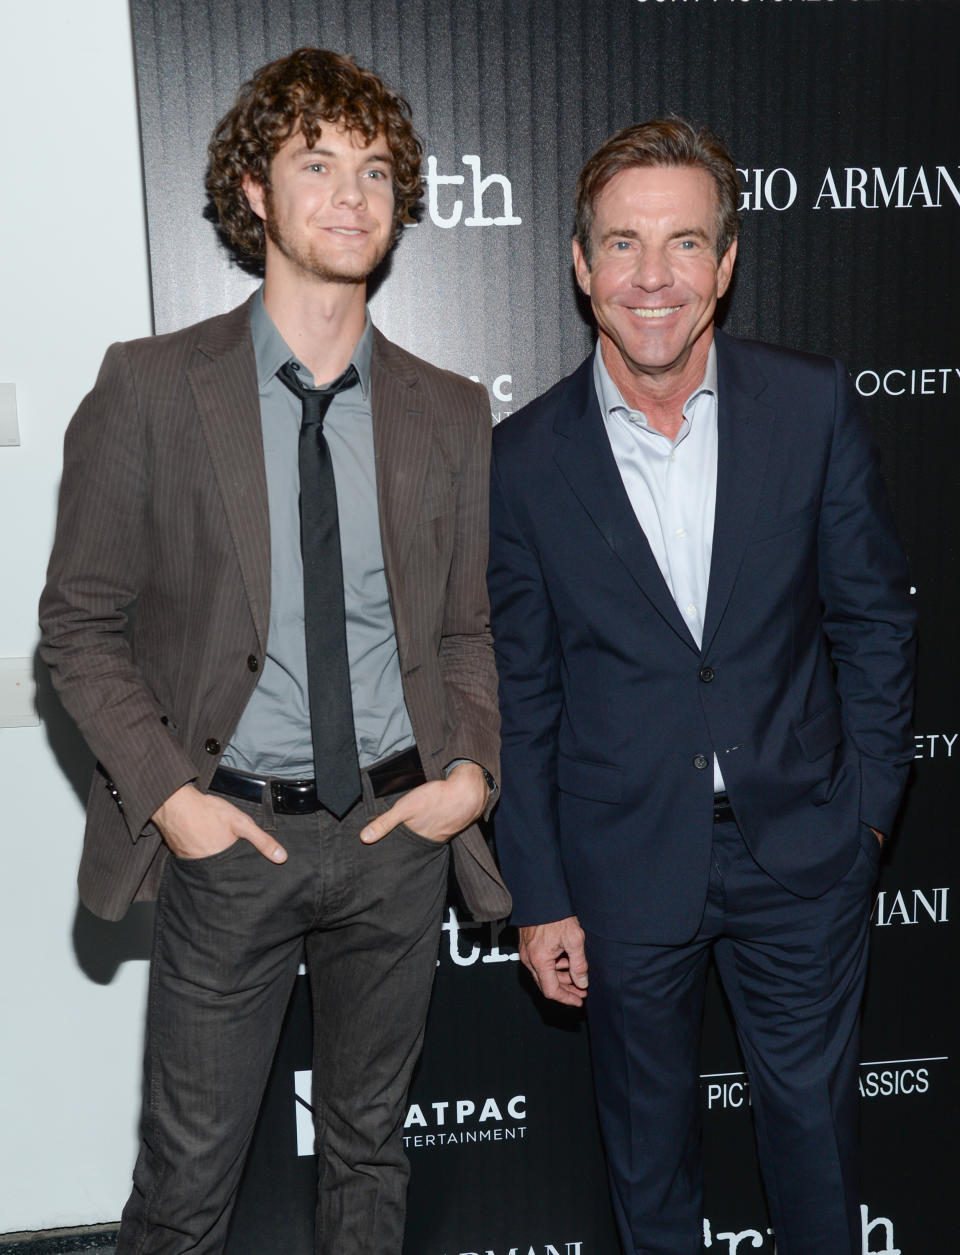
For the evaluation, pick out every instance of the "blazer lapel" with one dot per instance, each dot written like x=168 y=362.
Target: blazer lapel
x=744 y=431
x=584 y=457
x=224 y=383
x=402 y=439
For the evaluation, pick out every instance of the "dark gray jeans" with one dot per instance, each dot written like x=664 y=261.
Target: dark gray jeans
x=231 y=931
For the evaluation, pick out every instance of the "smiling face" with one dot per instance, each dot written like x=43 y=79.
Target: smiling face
x=654 y=278
x=328 y=212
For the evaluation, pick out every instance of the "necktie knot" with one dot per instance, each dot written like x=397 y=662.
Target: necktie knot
x=316 y=401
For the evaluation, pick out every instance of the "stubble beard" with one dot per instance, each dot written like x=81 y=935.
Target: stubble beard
x=315 y=266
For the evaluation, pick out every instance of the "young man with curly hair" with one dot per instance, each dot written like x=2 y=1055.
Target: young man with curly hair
x=300 y=724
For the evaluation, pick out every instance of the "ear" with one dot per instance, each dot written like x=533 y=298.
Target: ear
x=256 y=195
x=580 y=268
x=725 y=268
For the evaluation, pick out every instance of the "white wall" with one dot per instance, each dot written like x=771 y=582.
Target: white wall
x=73 y=277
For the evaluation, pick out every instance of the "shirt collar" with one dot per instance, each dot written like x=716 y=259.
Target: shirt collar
x=271 y=351
x=611 y=398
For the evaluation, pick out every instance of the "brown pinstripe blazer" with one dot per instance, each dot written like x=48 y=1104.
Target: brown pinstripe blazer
x=158 y=587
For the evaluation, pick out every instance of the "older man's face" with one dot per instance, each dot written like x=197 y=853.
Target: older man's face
x=654 y=279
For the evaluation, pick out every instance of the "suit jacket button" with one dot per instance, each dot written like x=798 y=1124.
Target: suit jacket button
x=253 y=663
x=707 y=674
x=701 y=762
x=212 y=746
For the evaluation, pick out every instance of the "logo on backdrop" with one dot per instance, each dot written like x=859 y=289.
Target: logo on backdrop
x=485 y=193
x=877 y=1238
x=852 y=187
x=560 y=1248
x=469 y=943
x=475 y=199
x=725 y=1091
x=937 y=745
x=501 y=390
x=465 y=1121
x=879 y=1078
x=899 y=1078
x=911 y=907
x=448 y=1122
x=912 y=381
x=767 y=189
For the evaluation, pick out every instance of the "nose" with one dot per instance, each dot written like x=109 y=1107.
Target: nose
x=349 y=190
x=653 y=270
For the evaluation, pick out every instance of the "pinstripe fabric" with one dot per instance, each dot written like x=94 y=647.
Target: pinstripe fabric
x=164 y=504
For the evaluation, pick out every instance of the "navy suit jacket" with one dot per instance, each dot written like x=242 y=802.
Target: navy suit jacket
x=611 y=713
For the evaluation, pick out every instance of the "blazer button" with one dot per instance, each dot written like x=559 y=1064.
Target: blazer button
x=701 y=762
x=707 y=674
x=212 y=746
x=253 y=663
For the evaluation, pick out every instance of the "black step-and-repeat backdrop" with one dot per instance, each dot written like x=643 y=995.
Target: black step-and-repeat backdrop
x=843 y=116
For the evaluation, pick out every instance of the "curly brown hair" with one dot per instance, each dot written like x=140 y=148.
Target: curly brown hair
x=303 y=91
x=668 y=141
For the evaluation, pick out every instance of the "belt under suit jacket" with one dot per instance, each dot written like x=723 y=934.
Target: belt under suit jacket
x=164 y=508
x=611 y=713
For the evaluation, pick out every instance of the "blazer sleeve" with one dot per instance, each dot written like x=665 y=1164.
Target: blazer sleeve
x=868 y=614
x=526 y=642
x=96 y=569
x=465 y=654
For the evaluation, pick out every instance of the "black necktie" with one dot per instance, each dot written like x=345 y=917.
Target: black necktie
x=328 y=668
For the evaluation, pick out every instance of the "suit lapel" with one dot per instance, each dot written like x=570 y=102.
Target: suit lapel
x=223 y=379
x=585 y=459
x=744 y=430
x=402 y=440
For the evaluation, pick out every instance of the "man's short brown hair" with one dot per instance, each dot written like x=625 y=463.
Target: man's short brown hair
x=303 y=91
x=666 y=141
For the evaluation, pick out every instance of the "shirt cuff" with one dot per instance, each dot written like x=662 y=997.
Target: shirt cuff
x=491 y=783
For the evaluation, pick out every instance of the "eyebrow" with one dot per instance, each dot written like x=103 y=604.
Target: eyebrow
x=627 y=233
x=306 y=151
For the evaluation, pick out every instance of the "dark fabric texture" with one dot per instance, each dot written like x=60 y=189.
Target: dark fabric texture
x=794 y=971
x=336 y=771
x=231 y=931
x=611 y=714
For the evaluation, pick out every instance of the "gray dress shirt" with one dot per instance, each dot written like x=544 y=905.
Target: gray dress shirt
x=672 y=486
x=273 y=736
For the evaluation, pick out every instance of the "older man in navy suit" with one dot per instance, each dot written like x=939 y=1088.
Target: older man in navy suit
x=705 y=640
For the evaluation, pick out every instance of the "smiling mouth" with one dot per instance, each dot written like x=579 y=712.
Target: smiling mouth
x=347 y=230
x=662 y=312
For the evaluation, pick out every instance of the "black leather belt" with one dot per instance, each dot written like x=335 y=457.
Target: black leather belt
x=397 y=774
x=299 y=797
x=722 y=810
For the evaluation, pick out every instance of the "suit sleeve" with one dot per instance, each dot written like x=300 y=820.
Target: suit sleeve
x=868 y=615
x=528 y=661
x=466 y=647
x=96 y=569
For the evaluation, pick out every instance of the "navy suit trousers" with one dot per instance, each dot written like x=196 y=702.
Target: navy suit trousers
x=794 y=971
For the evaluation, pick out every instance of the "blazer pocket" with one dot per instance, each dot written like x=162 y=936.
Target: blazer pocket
x=596 y=781
x=769 y=528
x=820 y=733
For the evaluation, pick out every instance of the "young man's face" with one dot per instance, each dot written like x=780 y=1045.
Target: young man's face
x=328 y=212
x=654 y=277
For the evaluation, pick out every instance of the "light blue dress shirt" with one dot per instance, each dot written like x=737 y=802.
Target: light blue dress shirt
x=672 y=486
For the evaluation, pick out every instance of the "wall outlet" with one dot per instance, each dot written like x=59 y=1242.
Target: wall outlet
x=18 y=693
